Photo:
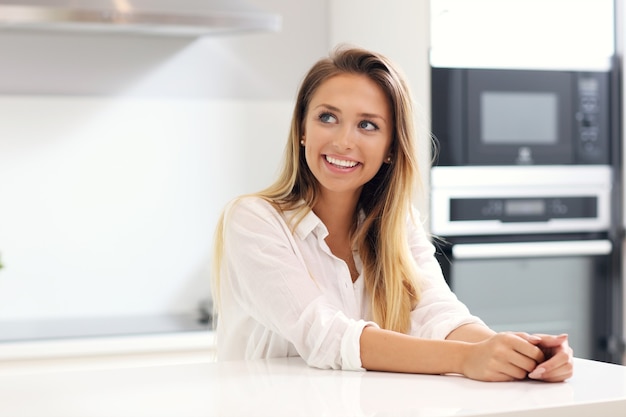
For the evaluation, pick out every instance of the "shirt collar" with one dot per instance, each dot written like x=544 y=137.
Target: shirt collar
x=310 y=223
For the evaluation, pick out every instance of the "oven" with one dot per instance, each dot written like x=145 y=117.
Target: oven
x=530 y=249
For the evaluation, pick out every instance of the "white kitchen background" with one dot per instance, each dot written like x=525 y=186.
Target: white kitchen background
x=117 y=153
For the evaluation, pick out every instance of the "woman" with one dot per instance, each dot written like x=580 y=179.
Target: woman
x=331 y=263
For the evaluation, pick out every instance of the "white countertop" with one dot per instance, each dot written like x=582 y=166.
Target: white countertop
x=287 y=387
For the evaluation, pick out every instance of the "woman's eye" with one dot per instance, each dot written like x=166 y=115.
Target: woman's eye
x=367 y=125
x=327 y=118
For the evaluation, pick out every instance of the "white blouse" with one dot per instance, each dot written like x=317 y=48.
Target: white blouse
x=286 y=294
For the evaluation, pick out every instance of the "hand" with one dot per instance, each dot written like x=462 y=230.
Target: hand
x=505 y=357
x=558 y=365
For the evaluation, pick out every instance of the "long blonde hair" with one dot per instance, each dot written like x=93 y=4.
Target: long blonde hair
x=389 y=270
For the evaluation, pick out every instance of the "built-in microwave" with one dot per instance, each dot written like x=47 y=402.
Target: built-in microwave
x=483 y=116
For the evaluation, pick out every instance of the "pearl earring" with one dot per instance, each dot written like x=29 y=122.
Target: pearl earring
x=302 y=142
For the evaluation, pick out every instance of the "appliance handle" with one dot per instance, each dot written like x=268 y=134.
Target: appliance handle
x=531 y=249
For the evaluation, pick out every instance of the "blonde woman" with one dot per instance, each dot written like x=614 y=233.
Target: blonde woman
x=331 y=262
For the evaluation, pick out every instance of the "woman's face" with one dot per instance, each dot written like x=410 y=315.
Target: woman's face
x=347 y=132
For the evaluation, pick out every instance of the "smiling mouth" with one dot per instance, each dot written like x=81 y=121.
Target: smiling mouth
x=340 y=163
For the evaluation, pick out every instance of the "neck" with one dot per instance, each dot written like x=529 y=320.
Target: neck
x=337 y=212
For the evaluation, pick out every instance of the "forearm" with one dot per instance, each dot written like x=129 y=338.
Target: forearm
x=471 y=333
x=472 y=350
x=384 y=350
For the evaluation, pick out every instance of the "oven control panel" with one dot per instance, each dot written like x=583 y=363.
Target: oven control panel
x=499 y=200
x=527 y=209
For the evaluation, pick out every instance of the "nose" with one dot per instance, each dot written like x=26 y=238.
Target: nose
x=345 y=138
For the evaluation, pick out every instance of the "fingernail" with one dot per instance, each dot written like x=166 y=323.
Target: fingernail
x=536 y=373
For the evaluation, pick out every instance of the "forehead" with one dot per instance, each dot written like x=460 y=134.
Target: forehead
x=352 y=89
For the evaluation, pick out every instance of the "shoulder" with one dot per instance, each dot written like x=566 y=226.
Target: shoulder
x=249 y=203
x=257 y=212
x=249 y=207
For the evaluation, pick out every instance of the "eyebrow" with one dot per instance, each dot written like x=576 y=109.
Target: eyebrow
x=366 y=115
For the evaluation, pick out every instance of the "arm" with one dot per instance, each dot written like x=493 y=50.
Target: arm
x=499 y=357
x=471 y=333
x=447 y=337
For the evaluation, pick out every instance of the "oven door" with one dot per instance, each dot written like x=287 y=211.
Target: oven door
x=534 y=286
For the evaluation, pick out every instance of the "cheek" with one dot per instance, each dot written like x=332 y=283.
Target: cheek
x=316 y=137
x=380 y=149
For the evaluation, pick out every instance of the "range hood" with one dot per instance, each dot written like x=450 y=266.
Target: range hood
x=150 y=17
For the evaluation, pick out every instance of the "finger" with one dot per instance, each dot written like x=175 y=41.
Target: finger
x=537 y=373
x=522 y=361
x=534 y=339
x=529 y=350
x=513 y=372
x=551 y=364
x=558 y=378
x=549 y=341
x=556 y=375
x=559 y=356
x=558 y=367
x=496 y=371
x=502 y=377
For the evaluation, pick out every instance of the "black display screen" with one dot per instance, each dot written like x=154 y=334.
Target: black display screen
x=524 y=207
x=530 y=209
x=514 y=117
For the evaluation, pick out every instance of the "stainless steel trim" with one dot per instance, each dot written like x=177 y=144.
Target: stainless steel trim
x=456 y=59
x=129 y=19
x=531 y=249
x=521 y=176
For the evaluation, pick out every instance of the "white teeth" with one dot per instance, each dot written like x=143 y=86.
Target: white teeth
x=339 y=162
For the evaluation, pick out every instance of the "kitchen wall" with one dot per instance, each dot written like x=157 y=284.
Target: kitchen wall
x=117 y=152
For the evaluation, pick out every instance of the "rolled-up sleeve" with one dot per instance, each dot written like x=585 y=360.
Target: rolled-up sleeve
x=351 y=346
x=269 y=289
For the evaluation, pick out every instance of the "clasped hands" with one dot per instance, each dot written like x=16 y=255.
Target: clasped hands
x=510 y=356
